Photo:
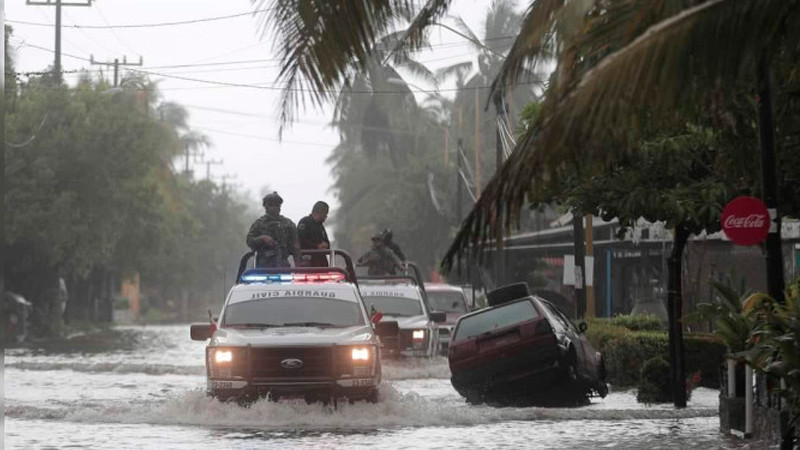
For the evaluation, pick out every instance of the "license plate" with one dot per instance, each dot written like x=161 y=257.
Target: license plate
x=222 y=384
x=362 y=382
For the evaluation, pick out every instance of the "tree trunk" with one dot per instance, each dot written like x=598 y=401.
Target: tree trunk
x=674 y=312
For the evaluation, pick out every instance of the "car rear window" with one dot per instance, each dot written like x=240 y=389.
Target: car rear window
x=492 y=319
x=394 y=306
x=448 y=301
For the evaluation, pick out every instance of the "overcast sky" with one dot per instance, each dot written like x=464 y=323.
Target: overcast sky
x=240 y=121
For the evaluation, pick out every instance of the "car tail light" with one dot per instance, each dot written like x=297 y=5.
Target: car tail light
x=543 y=327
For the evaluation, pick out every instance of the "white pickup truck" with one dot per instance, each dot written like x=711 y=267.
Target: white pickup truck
x=296 y=332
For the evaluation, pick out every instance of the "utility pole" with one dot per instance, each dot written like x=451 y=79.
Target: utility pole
x=769 y=187
x=58 y=4
x=225 y=179
x=116 y=65
x=500 y=260
x=459 y=179
x=769 y=183
x=580 y=262
x=591 y=309
x=478 y=181
x=208 y=167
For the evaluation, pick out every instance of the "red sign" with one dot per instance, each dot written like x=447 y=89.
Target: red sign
x=745 y=220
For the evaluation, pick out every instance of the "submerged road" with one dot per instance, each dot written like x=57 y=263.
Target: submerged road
x=143 y=387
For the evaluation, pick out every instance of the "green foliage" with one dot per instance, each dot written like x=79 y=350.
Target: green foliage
x=654 y=385
x=638 y=322
x=625 y=352
x=777 y=342
x=89 y=190
x=731 y=323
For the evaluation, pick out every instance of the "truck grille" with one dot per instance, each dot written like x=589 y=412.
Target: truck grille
x=317 y=362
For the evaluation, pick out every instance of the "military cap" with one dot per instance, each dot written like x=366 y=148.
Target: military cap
x=272 y=199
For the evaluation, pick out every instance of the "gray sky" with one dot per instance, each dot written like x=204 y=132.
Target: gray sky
x=241 y=122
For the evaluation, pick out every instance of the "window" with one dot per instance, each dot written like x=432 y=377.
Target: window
x=394 y=306
x=294 y=310
x=493 y=319
x=558 y=320
x=447 y=301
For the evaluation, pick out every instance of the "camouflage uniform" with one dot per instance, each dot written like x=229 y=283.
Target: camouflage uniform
x=283 y=231
x=380 y=261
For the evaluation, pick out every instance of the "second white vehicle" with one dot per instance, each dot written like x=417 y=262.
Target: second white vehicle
x=401 y=299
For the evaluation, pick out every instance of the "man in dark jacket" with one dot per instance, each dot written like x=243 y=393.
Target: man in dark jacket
x=391 y=245
x=379 y=259
x=273 y=236
x=313 y=236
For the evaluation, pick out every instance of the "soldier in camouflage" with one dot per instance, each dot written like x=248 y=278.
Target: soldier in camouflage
x=379 y=259
x=273 y=236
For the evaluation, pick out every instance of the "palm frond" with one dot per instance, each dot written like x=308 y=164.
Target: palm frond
x=672 y=62
x=459 y=70
x=429 y=14
x=464 y=29
x=528 y=49
x=319 y=42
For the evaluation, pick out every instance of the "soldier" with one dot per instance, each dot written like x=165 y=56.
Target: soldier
x=379 y=259
x=273 y=236
x=312 y=234
x=391 y=245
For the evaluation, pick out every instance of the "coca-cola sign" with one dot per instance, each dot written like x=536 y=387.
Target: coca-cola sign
x=745 y=220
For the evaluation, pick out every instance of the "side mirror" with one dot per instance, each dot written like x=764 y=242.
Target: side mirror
x=582 y=327
x=201 y=331
x=387 y=329
x=438 y=316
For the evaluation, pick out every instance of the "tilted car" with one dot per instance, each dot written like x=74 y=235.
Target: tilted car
x=450 y=300
x=402 y=299
x=297 y=332
x=523 y=349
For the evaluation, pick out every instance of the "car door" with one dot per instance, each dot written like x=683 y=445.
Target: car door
x=575 y=337
x=586 y=354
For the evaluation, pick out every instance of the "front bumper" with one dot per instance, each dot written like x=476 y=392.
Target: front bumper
x=350 y=388
x=404 y=345
x=318 y=373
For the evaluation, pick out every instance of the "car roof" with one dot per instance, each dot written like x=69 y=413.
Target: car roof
x=297 y=290
x=388 y=289
x=532 y=298
x=432 y=287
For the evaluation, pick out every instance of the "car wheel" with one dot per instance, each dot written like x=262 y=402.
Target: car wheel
x=602 y=389
x=570 y=365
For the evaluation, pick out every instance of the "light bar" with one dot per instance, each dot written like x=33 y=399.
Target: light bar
x=294 y=278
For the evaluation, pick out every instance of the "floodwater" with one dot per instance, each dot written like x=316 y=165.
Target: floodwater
x=143 y=387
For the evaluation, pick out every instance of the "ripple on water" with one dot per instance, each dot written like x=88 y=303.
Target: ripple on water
x=394 y=410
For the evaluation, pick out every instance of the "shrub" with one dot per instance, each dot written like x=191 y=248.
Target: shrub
x=654 y=385
x=639 y=323
x=625 y=352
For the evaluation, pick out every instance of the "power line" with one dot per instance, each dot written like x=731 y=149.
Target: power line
x=146 y=25
x=264 y=138
x=279 y=88
x=119 y=38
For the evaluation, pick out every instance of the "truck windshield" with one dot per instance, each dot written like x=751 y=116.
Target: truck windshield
x=493 y=319
x=394 y=306
x=293 y=311
x=447 y=301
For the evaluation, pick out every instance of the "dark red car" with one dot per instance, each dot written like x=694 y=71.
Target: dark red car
x=522 y=349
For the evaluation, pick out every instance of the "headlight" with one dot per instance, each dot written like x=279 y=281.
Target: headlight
x=360 y=354
x=223 y=356
x=418 y=335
